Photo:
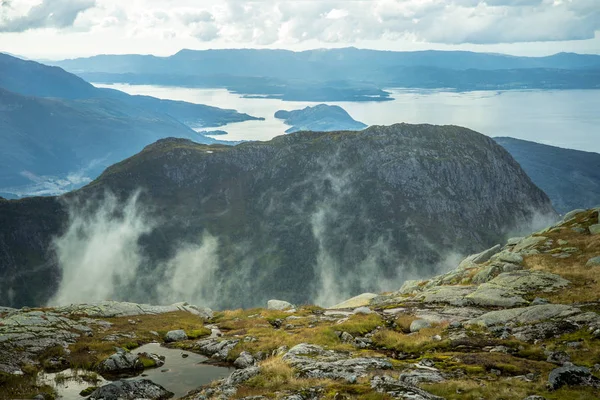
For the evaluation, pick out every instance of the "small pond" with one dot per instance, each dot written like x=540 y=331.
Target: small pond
x=183 y=371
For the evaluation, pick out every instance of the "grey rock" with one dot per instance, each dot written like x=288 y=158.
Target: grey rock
x=244 y=360
x=175 y=336
x=572 y=376
x=528 y=243
x=346 y=337
x=534 y=397
x=508 y=267
x=363 y=310
x=509 y=257
x=572 y=214
x=158 y=360
x=539 y=300
x=241 y=375
x=305 y=349
x=486 y=274
x=593 y=262
x=525 y=315
x=410 y=287
x=217 y=349
x=131 y=390
x=418 y=376
x=124 y=309
x=419 y=324
x=558 y=357
x=595 y=229
x=121 y=361
x=544 y=330
x=400 y=390
x=279 y=305
x=513 y=241
x=486 y=255
x=454 y=295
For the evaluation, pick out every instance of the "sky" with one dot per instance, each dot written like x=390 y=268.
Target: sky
x=56 y=29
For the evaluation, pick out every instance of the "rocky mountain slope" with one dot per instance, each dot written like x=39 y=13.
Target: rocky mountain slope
x=571 y=178
x=320 y=118
x=341 y=212
x=517 y=321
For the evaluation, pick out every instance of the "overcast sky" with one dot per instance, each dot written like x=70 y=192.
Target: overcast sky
x=69 y=28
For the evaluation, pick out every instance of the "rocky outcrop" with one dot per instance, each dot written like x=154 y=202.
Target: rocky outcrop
x=121 y=361
x=175 y=336
x=131 y=390
x=279 y=305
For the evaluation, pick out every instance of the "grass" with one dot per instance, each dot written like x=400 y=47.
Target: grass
x=416 y=343
x=23 y=387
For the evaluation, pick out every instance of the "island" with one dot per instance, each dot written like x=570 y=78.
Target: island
x=320 y=118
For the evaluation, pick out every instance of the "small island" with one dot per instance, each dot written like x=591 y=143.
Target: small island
x=320 y=118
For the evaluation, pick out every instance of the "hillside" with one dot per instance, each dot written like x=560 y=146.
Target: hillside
x=320 y=118
x=571 y=178
x=342 y=212
x=516 y=321
x=57 y=132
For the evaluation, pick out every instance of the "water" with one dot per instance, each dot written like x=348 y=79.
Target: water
x=564 y=118
x=179 y=375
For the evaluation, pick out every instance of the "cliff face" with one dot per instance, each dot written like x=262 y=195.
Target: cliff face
x=306 y=217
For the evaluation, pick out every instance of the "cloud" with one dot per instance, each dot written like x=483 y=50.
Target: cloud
x=48 y=14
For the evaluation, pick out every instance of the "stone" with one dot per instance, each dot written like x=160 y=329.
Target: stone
x=454 y=295
x=508 y=267
x=416 y=377
x=400 y=390
x=410 y=287
x=175 y=336
x=419 y=324
x=131 y=390
x=346 y=337
x=122 y=361
x=593 y=262
x=486 y=254
x=486 y=274
x=241 y=375
x=509 y=257
x=525 y=315
x=572 y=376
x=244 y=360
x=558 y=357
x=595 y=229
x=363 y=310
x=539 y=300
x=491 y=296
x=159 y=361
x=279 y=305
x=534 y=397
x=572 y=214
x=528 y=243
x=109 y=309
x=357 y=301
x=513 y=241
x=305 y=349
x=217 y=349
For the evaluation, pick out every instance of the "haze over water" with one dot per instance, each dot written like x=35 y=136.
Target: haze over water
x=564 y=118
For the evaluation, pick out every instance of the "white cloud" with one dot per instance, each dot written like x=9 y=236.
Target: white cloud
x=288 y=23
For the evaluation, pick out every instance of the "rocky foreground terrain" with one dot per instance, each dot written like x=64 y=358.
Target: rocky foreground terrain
x=518 y=321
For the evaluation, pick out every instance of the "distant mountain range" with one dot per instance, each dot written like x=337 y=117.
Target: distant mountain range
x=571 y=178
x=320 y=118
x=58 y=131
x=347 y=74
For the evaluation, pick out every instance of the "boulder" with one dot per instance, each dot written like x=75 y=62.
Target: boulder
x=244 y=360
x=122 y=361
x=593 y=262
x=509 y=257
x=410 y=287
x=454 y=295
x=493 y=296
x=572 y=376
x=356 y=301
x=419 y=324
x=279 y=305
x=558 y=357
x=525 y=315
x=486 y=254
x=214 y=348
x=158 y=361
x=175 y=336
x=572 y=214
x=242 y=375
x=131 y=390
x=363 y=310
x=486 y=274
x=418 y=376
x=528 y=243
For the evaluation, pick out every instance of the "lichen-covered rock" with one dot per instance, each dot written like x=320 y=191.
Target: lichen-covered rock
x=572 y=214
x=572 y=376
x=528 y=243
x=121 y=361
x=419 y=324
x=241 y=375
x=217 y=349
x=131 y=390
x=357 y=301
x=244 y=360
x=509 y=257
x=175 y=336
x=525 y=315
x=595 y=229
x=454 y=295
x=593 y=262
x=400 y=390
x=279 y=305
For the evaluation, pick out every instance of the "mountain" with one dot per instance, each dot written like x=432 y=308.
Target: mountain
x=308 y=216
x=58 y=131
x=347 y=74
x=320 y=118
x=571 y=178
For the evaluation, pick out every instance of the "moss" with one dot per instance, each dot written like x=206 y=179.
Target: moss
x=197 y=333
x=147 y=362
x=87 y=391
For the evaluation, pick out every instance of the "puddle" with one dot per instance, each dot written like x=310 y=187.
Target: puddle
x=179 y=374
